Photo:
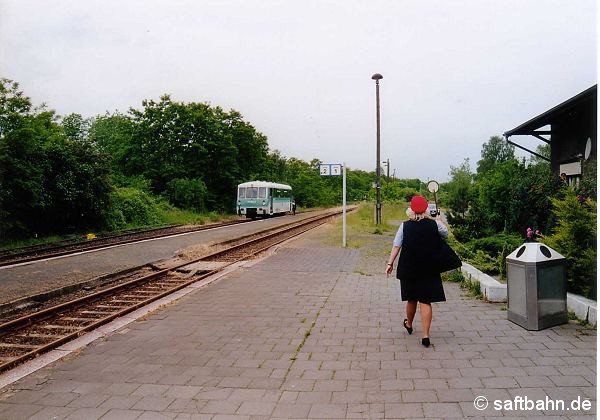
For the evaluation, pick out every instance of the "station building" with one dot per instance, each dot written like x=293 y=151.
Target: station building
x=570 y=129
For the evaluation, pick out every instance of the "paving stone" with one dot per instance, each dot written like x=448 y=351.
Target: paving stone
x=57 y=399
x=19 y=411
x=314 y=397
x=153 y=403
x=442 y=410
x=117 y=414
x=221 y=407
x=120 y=401
x=404 y=410
x=87 y=414
x=49 y=412
x=500 y=382
x=419 y=396
x=286 y=411
x=327 y=411
x=88 y=400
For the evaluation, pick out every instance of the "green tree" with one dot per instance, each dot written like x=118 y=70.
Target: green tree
x=75 y=127
x=459 y=190
x=494 y=152
x=14 y=106
x=48 y=182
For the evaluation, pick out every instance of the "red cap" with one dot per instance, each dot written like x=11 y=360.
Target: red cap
x=418 y=204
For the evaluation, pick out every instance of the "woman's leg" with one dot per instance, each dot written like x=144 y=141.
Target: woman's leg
x=426 y=315
x=411 y=310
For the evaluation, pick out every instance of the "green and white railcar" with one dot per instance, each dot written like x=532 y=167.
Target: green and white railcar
x=261 y=198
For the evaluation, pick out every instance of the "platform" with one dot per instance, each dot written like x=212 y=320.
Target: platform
x=311 y=332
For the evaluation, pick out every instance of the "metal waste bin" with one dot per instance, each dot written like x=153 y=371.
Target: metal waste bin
x=536 y=287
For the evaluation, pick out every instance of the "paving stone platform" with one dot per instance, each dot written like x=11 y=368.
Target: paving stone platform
x=308 y=334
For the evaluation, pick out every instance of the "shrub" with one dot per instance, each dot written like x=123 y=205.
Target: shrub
x=575 y=238
x=187 y=193
x=136 y=208
x=114 y=219
x=495 y=244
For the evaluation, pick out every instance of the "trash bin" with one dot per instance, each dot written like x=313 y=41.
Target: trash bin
x=536 y=287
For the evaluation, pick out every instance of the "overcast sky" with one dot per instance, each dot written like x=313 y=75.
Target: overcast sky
x=454 y=72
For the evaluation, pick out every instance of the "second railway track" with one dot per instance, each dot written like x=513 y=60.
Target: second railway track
x=35 y=253
x=29 y=335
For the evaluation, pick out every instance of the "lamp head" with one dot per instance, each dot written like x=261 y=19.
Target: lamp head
x=377 y=76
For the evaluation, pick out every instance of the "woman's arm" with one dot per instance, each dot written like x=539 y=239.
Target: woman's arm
x=390 y=266
x=442 y=229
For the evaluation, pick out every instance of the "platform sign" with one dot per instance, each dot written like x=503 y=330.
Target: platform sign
x=337 y=169
x=330 y=169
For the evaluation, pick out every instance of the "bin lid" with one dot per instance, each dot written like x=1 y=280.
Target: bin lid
x=531 y=252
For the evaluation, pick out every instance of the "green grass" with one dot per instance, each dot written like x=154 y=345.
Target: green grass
x=473 y=288
x=167 y=217
x=360 y=224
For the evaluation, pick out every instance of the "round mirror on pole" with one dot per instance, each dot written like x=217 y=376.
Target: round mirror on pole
x=433 y=186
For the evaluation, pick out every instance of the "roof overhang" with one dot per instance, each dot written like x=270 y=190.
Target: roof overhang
x=534 y=125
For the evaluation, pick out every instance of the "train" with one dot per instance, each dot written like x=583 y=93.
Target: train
x=262 y=198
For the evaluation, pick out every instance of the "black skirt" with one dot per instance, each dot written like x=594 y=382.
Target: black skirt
x=426 y=288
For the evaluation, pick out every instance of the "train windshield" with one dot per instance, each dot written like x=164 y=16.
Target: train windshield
x=242 y=192
x=251 y=192
x=262 y=192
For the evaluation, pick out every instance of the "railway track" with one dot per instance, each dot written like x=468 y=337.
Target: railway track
x=32 y=334
x=38 y=252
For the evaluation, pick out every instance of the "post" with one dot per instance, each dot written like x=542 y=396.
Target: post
x=388 y=169
x=344 y=206
x=378 y=77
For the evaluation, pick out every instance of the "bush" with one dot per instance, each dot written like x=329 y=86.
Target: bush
x=135 y=207
x=575 y=238
x=187 y=193
x=114 y=219
x=494 y=245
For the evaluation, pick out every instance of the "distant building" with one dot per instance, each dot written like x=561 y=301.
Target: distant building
x=571 y=131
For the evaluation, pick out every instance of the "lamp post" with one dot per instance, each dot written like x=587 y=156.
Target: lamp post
x=387 y=167
x=377 y=77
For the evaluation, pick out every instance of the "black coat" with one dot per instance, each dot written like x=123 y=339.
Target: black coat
x=417 y=269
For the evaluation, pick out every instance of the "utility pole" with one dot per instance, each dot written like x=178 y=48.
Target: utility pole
x=377 y=77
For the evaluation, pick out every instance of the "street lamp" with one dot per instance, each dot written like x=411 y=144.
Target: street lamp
x=377 y=77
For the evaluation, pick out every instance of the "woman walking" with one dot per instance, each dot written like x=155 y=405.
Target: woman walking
x=420 y=281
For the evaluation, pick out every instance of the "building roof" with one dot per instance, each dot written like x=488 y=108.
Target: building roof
x=554 y=114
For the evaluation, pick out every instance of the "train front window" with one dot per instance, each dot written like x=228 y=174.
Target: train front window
x=251 y=192
x=262 y=192
x=242 y=192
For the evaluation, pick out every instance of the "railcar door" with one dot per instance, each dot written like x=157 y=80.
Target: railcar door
x=271 y=190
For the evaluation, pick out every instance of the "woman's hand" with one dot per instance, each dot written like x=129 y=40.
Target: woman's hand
x=389 y=269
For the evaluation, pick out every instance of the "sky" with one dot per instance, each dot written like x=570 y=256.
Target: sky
x=454 y=72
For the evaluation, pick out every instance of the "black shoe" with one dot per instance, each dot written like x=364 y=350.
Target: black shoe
x=409 y=329
x=425 y=341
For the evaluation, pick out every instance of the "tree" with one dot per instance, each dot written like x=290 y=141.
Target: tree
x=75 y=127
x=495 y=151
x=48 y=181
x=14 y=106
x=459 y=190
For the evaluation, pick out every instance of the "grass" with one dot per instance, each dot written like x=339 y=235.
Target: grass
x=473 y=288
x=360 y=224
x=583 y=322
x=167 y=217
